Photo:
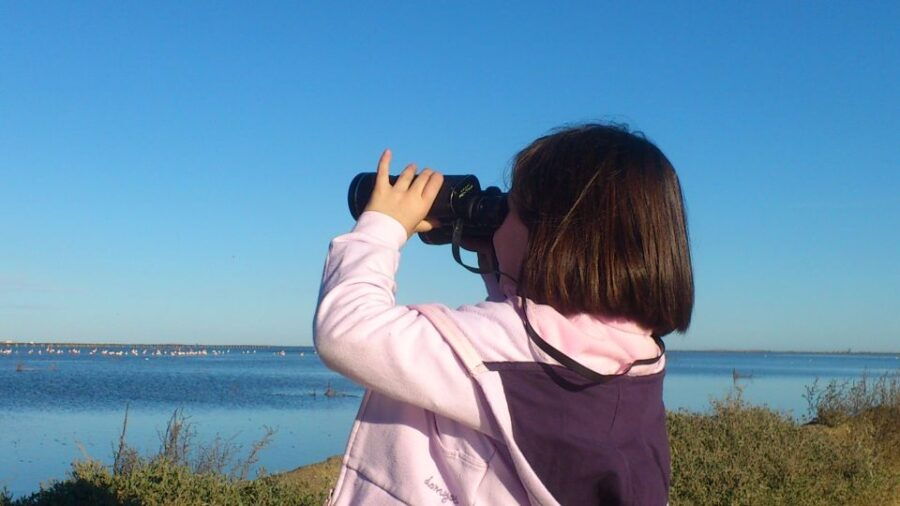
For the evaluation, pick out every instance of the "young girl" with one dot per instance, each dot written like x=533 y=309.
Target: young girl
x=550 y=391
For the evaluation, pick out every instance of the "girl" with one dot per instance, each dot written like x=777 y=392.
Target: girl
x=550 y=391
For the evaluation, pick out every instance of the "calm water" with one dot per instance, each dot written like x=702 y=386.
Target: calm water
x=56 y=407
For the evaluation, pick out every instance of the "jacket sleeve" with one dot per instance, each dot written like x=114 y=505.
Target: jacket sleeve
x=360 y=331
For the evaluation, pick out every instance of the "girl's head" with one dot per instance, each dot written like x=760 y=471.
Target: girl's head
x=601 y=214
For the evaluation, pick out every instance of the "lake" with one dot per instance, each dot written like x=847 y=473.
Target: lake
x=58 y=404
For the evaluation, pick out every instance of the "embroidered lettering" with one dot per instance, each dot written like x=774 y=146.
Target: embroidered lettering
x=445 y=494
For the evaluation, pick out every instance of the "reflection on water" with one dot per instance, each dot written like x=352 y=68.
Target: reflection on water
x=56 y=405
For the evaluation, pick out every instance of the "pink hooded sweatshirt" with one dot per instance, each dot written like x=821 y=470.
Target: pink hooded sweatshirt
x=461 y=407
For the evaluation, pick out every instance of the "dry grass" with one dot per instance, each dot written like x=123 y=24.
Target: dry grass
x=747 y=455
x=318 y=478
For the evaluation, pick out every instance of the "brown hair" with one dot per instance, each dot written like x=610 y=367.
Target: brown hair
x=607 y=229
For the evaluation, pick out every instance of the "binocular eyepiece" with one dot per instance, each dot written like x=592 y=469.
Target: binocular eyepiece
x=459 y=201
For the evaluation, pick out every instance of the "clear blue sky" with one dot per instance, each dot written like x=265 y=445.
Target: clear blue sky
x=173 y=172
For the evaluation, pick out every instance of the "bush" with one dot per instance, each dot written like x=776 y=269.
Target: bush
x=839 y=401
x=742 y=454
x=873 y=405
x=182 y=472
x=161 y=482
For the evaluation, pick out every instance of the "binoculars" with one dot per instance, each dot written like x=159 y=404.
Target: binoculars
x=460 y=204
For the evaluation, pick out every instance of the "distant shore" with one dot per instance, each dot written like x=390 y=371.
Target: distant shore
x=58 y=344
x=150 y=345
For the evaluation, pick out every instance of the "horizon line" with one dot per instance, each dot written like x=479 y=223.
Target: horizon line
x=847 y=351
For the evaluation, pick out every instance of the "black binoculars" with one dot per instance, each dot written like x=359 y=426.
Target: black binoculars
x=460 y=204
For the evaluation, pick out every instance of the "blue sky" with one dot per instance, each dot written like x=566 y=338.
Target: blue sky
x=173 y=172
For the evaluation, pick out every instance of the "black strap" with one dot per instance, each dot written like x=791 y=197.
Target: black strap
x=456 y=238
x=557 y=355
x=573 y=364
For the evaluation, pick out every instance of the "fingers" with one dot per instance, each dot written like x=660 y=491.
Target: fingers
x=384 y=169
x=432 y=186
x=406 y=177
x=427 y=183
x=419 y=184
x=426 y=226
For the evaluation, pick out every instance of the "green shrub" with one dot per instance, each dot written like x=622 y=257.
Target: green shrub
x=182 y=472
x=742 y=454
x=874 y=404
x=161 y=482
x=5 y=497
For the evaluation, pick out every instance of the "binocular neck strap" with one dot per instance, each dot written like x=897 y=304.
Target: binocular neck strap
x=455 y=240
x=572 y=364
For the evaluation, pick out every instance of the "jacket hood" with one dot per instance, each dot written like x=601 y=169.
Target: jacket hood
x=607 y=346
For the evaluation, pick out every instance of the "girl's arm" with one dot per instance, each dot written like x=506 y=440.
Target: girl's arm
x=361 y=332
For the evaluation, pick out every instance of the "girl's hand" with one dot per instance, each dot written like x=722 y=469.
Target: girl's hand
x=409 y=199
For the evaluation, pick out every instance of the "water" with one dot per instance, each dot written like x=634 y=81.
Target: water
x=60 y=406
x=63 y=405
x=778 y=380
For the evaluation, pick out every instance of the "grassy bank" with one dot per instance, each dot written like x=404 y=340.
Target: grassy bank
x=847 y=451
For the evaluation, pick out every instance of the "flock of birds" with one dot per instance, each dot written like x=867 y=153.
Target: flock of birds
x=134 y=352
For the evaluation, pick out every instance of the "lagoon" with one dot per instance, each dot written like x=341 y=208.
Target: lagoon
x=62 y=402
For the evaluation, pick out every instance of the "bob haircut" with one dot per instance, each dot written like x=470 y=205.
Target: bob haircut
x=606 y=227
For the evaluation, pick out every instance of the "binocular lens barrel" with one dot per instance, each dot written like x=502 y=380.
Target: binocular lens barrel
x=460 y=198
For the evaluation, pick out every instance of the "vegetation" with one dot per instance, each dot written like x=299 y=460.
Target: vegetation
x=737 y=454
x=182 y=472
x=741 y=454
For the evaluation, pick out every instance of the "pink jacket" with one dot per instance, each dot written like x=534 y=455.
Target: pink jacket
x=459 y=408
